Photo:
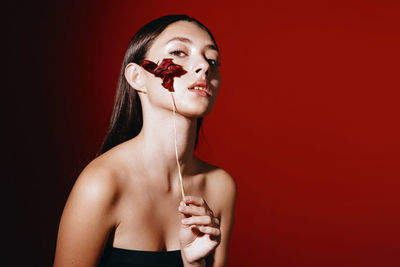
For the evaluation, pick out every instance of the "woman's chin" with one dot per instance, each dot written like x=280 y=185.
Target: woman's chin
x=195 y=110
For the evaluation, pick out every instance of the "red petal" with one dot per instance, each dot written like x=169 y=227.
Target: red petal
x=167 y=70
x=148 y=65
x=165 y=63
x=168 y=83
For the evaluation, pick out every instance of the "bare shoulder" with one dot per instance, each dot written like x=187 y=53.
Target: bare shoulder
x=218 y=177
x=220 y=185
x=97 y=180
x=89 y=215
x=106 y=177
x=98 y=187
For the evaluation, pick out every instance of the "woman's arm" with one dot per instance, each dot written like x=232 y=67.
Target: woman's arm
x=225 y=191
x=204 y=238
x=87 y=219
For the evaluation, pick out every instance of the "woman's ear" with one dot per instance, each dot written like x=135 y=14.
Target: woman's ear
x=135 y=77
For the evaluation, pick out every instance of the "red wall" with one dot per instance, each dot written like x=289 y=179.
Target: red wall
x=307 y=120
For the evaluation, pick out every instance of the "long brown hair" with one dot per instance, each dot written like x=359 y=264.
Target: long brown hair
x=127 y=118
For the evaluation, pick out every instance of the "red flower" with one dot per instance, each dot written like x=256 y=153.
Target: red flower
x=167 y=70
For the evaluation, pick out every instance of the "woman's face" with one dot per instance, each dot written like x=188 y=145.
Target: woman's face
x=192 y=48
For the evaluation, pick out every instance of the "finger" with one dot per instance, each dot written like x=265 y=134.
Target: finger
x=198 y=220
x=215 y=232
x=201 y=220
x=198 y=201
x=192 y=210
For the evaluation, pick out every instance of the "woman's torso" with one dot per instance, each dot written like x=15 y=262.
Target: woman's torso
x=147 y=217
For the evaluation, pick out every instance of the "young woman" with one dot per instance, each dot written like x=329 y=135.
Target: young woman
x=126 y=207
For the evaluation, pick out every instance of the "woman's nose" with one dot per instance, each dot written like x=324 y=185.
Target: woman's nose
x=202 y=67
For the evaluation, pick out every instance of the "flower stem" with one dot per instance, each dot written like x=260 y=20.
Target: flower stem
x=176 y=147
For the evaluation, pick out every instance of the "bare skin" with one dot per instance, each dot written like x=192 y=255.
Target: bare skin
x=130 y=195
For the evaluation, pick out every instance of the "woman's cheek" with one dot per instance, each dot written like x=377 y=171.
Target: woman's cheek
x=157 y=94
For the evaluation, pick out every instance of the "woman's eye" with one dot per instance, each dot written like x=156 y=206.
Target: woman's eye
x=213 y=62
x=178 y=53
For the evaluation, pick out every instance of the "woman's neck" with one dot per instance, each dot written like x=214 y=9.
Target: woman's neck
x=157 y=142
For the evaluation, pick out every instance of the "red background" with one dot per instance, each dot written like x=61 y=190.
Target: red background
x=307 y=121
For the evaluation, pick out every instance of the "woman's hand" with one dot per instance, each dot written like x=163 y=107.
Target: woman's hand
x=199 y=234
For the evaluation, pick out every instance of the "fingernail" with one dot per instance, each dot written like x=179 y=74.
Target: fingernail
x=185 y=221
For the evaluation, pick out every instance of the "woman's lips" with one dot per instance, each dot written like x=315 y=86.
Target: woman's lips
x=200 y=88
x=199 y=92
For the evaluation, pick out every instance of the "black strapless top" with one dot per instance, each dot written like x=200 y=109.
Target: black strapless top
x=119 y=257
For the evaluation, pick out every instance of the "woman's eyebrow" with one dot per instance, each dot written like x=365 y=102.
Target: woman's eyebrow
x=182 y=39
x=187 y=40
x=213 y=47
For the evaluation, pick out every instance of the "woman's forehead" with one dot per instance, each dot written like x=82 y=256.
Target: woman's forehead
x=184 y=31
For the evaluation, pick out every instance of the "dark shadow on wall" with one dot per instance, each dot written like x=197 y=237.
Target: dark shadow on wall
x=38 y=177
